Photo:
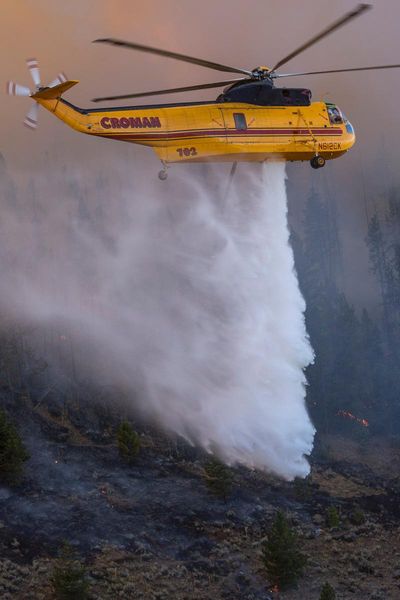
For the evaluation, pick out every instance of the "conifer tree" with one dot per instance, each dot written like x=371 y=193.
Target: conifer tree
x=282 y=559
x=218 y=478
x=332 y=517
x=327 y=593
x=128 y=442
x=378 y=255
x=69 y=576
x=12 y=450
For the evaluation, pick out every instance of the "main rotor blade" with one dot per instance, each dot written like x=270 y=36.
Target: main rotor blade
x=189 y=88
x=279 y=75
x=336 y=25
x=182 y=57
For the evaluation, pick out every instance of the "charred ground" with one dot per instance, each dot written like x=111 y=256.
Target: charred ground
x=154 y=530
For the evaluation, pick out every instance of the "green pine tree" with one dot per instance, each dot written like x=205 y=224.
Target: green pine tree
x=69 y=576
x=379 y=256
x=282 y=559
x=12 y=450
x=327 y=593
x=332 y=517
x=128 y=442
x=218 y=478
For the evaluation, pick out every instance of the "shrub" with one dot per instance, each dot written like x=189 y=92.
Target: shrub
x=303 y=488
x=128 y=442
x=357 y=517
x=218 y=478
x=12 y=450
x=69 y=576
x=327 y=593
x=332 y=517
x=282 y=559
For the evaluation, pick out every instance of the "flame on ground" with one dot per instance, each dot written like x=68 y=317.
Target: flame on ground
x=348 y=415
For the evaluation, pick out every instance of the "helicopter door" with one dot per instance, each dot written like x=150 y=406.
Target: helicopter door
x=237 y=125
x=245 y=127
x=196 y=133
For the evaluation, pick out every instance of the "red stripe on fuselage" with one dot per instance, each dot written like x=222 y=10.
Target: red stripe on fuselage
x=177 y=135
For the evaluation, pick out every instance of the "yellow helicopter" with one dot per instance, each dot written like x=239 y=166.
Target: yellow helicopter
x=251 y=120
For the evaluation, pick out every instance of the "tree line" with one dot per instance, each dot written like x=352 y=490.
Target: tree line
x=354 y=383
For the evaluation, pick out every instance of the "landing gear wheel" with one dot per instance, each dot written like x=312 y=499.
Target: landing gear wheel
x=317 y=162
x=163 y=174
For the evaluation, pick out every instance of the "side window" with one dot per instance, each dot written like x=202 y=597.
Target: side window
x=240 y=121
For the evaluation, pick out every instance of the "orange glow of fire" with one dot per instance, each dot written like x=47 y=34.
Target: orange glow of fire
x=348 y=415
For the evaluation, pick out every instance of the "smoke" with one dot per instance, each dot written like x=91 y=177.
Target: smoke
x=59 y=35
x=183 y=292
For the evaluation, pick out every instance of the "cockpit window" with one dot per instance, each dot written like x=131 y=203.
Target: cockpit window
x=335 y=116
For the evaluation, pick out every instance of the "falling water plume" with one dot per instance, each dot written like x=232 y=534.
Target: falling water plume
x=188 y=299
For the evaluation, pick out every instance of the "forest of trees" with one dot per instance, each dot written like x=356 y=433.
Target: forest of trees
x=354 y=383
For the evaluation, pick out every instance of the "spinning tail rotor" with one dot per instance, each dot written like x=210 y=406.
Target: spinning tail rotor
x=15 y=89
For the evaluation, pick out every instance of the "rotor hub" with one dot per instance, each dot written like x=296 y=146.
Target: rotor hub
x=261 y=73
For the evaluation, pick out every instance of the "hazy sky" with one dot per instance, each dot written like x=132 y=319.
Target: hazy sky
x=244 y=34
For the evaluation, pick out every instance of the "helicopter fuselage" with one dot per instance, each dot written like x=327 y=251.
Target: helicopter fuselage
x=250 y=122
